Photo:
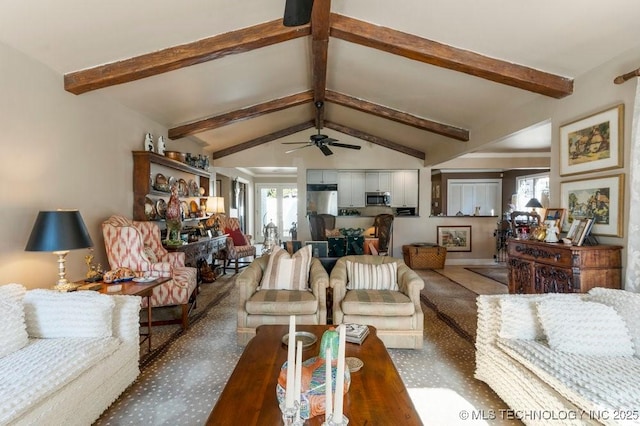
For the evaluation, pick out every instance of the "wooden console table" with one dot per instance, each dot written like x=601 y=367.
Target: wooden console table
x=201 y=250
x=538 y=267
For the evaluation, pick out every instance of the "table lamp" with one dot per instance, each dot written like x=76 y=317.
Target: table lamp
x=59 y=231
x=534 y=204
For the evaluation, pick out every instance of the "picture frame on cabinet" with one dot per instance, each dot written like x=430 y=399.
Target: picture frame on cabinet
x=555 y=214
x=455 y=238
x=600 y=198
x=593 y=143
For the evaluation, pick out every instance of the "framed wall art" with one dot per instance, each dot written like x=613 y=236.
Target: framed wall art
x=598 y=198
x=593 y=143
x=455 y=238
x=555 y=214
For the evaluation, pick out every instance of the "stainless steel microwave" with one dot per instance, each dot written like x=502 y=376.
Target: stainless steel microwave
x=378 y=199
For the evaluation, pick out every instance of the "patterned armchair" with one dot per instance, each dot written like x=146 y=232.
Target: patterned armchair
x=238 y=245
x=137 y=246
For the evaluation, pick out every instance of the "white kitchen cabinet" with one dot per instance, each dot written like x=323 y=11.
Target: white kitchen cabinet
x=404 y=188
x=351 y=189
x=322 y=176
x=378 y=182
x=464 y=195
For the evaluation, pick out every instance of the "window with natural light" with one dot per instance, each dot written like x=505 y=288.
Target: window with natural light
x=531 y=186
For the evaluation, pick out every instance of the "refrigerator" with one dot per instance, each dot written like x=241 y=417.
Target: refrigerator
x=322 y=198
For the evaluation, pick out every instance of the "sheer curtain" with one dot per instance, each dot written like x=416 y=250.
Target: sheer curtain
x=632 y=282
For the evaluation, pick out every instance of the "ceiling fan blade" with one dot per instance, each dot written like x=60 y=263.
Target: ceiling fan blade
x=344 y=145
x=300 y=147
x=294 y=143
x=325 y=150
x=297 y=12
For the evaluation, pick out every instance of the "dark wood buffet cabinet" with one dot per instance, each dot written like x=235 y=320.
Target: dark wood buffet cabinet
x=538 y=267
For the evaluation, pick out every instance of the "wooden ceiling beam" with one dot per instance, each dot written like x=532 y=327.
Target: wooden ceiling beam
x=397 y=116
x=375 y=139
x=262 y=140
x=320 y=24
x=240 y=114
x=185 y=55
x=442 y=55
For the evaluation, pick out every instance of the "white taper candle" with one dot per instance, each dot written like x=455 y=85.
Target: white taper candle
x=337 y=410
x=298 y=379
x=328 y=395
x=289 y=395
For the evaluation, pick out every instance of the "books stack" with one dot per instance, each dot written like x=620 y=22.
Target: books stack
x=356 y=333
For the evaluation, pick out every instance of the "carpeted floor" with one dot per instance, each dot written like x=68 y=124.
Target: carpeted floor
x=186 y=371
x=496 y=273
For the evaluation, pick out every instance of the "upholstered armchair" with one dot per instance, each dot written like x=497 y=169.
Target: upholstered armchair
x=137 y=246
x=396 y=313
x=257 y=306
x=238 y=244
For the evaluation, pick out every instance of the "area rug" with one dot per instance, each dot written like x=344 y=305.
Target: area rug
x=453 y=303
x=181 y=383
x=496 y=273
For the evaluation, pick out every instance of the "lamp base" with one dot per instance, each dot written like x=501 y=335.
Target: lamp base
x=66 y=287
x=63 y=284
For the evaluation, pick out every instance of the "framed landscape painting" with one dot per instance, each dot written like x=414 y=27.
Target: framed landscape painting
x=592 y=143
x=598 y=198
x=455 y=238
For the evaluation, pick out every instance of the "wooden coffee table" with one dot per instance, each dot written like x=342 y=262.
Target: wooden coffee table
x=132 y=288
x=376 y=396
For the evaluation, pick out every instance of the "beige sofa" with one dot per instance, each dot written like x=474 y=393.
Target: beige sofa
x=397 y=315
x=275 y=306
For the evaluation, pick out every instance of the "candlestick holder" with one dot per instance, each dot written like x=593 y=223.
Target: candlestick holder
x=330 y=422
x=290 y=414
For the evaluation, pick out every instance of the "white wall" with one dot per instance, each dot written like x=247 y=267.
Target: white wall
x=60 y=150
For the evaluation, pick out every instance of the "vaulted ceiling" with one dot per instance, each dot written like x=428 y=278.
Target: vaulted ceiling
x=412 y=76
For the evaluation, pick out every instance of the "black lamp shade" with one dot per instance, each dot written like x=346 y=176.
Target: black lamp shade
x=297 y=12
x=59 y=230
x=534 y=203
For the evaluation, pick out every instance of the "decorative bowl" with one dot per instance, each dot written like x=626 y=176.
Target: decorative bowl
x=176 y=155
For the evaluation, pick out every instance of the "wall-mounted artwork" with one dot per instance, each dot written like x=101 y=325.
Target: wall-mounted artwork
x=597 y=198
x=455 y=238
x=592 y=143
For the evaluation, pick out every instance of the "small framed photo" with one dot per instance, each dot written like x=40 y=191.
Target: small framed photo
x=598 y=198
x=318 y=248
x=555 y=214
x=592 y=143
x=455 y=238
x=573 y=228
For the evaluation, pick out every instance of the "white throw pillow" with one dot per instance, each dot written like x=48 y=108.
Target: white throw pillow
x=519 y=318
x=366 y=276
x=626 y=304
x=585 y=328
x=13 y=332
x=50 y=314
x=287 y=271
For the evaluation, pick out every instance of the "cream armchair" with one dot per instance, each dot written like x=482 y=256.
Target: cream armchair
x=397 y=315
x=275 y=306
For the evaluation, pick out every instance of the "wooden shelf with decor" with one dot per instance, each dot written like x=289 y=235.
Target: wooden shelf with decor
x=538 y=267
x=146 y=164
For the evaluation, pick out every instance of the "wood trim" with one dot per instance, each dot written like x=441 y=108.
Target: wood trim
x=442 y=55
x=628 y=76
x=398 y=116
x=320 y=20
x=262 y=140
x=185 y=55
x=240 y=114
x=375 y=139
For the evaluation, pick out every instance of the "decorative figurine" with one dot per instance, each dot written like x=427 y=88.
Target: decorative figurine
x=161 y=145
x=148 y=142
x=174 y=217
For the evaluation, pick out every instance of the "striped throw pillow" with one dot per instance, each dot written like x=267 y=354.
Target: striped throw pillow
x=287 y=272
x=365 y=276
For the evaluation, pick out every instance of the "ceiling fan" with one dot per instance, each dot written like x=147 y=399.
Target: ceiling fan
x=321 y=141
x=297 y=12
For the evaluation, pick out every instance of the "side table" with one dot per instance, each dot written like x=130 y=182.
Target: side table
x=129 y=288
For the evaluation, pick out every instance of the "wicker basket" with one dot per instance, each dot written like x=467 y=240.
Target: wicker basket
x=424 y=256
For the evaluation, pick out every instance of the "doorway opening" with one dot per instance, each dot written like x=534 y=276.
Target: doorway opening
x=277 y=203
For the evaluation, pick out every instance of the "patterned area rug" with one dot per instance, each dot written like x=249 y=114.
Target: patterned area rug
x=183 y=376
x=452 y=303
x=496 y=273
